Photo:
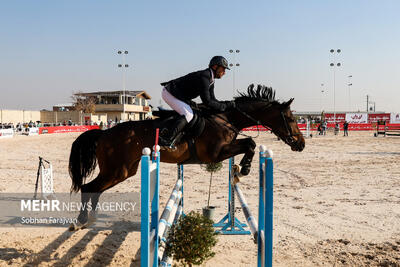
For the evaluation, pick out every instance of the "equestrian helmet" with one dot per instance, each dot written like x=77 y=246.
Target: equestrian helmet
x=220 y=61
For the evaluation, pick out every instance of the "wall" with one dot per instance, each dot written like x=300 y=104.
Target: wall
x=60 y=116
x=16 y=116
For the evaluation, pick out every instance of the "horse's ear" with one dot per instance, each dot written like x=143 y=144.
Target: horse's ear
x=287 y=104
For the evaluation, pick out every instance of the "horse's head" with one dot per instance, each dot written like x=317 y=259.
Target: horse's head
x=259 y=106
x=284 y=125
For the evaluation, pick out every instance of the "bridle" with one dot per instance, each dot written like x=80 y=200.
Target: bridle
x=290 y=136
x=288 y=139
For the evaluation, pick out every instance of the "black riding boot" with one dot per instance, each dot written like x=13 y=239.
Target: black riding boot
x=167 y=137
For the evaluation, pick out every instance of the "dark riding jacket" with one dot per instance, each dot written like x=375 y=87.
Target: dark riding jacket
x=192 y=85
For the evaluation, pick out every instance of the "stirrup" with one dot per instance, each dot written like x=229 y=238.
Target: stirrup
x=164 y=142
x=177 y=138
x=172 y=145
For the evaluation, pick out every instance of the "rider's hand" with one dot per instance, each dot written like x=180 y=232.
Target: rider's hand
x=193 y=105
x=231 y=104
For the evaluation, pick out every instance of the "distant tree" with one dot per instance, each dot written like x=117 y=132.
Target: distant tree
x=86 y=104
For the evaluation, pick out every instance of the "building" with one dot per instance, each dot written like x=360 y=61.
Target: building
x=64 y=107
x=120 y=105
x=111 y=105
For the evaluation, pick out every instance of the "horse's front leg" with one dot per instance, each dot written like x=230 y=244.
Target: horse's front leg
x=237 y=147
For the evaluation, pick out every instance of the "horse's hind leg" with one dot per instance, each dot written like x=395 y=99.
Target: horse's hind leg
x=86 y=195
x=93 y=190
x=102 y=187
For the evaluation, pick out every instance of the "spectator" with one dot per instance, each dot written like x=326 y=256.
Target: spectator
x=319 y=129
x=337 y=128
x=324 y=125
x=345 y=128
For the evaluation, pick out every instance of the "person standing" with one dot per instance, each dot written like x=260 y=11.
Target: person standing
x=337 y=128
x=324 y=126
x=345 y=128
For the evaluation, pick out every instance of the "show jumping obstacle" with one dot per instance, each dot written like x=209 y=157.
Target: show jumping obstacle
x=385 y=129
x=229 y=224
x=45 y=179
x=262 y=232
x=154 y=232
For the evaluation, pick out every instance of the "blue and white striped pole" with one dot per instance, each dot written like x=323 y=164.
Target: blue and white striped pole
x=149 y=216
x=265 y=209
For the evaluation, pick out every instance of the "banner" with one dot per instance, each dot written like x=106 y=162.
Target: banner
x=352 y=127
x=381 y=117
x=357 y=117
x=330 y=117
x=6 y=133
x=395 y=118
x=33 y=131
x=67 y=129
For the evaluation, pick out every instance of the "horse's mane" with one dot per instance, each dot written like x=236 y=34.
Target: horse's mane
x=262 y=93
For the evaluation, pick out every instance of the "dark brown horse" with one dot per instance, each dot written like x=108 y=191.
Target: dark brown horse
x=118 y=150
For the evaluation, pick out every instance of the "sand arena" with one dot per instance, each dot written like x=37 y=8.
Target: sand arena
x=337 y=203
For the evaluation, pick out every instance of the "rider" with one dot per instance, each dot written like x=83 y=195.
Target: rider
x=178 y=94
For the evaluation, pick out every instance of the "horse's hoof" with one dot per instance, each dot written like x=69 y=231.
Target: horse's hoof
x=245 y=170
x=236 y=171
x=77 y=226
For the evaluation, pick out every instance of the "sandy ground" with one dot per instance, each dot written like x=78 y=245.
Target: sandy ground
x=337 y=203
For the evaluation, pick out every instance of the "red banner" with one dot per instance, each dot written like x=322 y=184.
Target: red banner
x=67 y=129
x=314 y=126
x=254 y=129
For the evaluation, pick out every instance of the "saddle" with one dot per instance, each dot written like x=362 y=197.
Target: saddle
x=194 y=129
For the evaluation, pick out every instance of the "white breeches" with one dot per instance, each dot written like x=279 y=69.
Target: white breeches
x=179 y=106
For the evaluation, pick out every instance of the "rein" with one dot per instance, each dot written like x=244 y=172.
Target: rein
x=238 y=132
x=289 y=139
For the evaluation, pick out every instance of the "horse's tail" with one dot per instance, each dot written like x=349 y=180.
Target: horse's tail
x=82 y=160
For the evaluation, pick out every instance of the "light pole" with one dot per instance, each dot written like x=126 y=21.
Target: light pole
x=349 y=84
x=123 y=66
x=334 y=64
x=320 y=97
x=234 y=65
x=370 y=102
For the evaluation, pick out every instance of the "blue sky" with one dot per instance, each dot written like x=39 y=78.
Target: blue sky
x=50 y=49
